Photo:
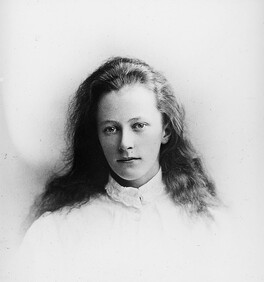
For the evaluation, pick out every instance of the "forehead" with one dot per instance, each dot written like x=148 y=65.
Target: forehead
x=129 y=102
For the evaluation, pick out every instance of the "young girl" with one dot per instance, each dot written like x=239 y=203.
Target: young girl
x=133 y=198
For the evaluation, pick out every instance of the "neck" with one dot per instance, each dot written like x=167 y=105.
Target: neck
x=133 y=183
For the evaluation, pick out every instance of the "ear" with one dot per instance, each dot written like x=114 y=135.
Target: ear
x=166 y=134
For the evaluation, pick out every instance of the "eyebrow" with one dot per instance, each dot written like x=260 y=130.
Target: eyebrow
x=116 y=122
x=136 y=118
x=107 y=121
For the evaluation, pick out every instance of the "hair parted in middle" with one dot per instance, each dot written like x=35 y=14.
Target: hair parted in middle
x=86 y=169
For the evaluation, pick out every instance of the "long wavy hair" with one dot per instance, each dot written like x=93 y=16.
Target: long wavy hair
x=86 y=170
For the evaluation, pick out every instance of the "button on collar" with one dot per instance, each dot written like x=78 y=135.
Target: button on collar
x=136 y=197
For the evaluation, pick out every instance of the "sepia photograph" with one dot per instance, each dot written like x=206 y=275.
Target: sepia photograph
x=131 y=140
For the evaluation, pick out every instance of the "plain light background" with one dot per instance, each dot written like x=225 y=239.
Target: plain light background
x=210 y=51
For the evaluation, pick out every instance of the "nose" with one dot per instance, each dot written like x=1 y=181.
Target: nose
x=126 y=141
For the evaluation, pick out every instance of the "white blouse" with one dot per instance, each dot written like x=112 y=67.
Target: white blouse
x=128 y=234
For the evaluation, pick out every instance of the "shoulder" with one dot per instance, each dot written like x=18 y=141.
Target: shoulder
x=43 y=227
x=51 y=225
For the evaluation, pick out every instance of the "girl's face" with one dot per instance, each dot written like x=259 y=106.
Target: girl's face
x=131 y=131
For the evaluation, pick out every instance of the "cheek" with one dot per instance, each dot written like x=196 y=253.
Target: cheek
x=108 y=144
x=151 y=142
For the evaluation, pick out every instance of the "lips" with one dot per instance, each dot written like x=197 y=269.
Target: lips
x=130 y=159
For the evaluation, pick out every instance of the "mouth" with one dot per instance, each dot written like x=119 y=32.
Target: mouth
x=127 y=160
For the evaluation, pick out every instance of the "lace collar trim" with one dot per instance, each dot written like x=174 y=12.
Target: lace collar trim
x=136 y=197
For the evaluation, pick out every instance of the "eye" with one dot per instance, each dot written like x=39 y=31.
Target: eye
x=139 y=125
x=110 y=130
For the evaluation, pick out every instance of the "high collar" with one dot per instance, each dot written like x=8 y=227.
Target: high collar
x=136 y=197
